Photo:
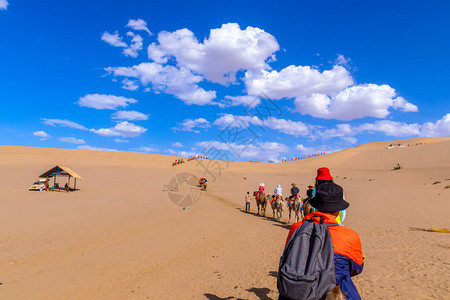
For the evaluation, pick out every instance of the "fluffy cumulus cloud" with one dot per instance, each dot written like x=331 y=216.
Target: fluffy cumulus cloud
x=3 y=4
x=98 y=101
x=86 y=147
x=122 y=129
x=368 y=100
x=263 y=150
x=440 y=128
x=138 y=24
x=129 y=115
x=63 y=123
x=285 y=126
x=297 y=81
x=192 y=124
x=180 y=82
x=42 y=134
x=71 y=140
x=226 y=51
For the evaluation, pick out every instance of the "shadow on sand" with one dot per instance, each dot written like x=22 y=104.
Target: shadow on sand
x=279 y=223
x=261 y=293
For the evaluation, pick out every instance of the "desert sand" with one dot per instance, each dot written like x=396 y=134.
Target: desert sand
x=121 y=237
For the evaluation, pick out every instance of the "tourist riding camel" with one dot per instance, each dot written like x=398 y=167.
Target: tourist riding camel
x=260 y=190
x=294 y=191
x=277 y=193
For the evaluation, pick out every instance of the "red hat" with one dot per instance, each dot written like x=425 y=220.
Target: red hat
x=324 y=174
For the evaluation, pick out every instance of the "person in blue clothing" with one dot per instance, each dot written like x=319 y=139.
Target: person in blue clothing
x=348 y=257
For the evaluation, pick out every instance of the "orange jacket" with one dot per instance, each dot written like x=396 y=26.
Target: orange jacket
x=348 y=257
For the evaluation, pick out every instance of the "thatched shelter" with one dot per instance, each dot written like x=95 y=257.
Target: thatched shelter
x=61 y=171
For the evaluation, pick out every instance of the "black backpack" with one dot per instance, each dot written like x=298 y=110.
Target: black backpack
x=306 y=270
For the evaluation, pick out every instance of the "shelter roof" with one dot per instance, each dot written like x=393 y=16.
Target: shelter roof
x=61 y=171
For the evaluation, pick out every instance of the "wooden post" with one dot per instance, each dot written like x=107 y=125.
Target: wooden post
x=68 y=184
x=46 y=184
x=75 y=186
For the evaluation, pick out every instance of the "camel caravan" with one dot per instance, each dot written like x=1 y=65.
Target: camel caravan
x=298 y=207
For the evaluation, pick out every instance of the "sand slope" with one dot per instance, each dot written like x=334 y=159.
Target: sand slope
x=120 y=237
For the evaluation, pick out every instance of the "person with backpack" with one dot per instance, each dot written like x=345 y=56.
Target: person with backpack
x=319 y=254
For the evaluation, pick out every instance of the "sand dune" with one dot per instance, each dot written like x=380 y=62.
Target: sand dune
x=121 y=237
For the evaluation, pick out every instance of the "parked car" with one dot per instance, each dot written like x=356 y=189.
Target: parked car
x=37 y=185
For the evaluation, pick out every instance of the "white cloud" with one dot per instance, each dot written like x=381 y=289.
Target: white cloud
x=121 y=141
x=98 y=101
x=63 y=123
x=113 y=39
x=440 y=128
x=122 y=129
x=282 y=125
x=181 y=83
x=116 y=41
x=348 y=132
x=227 y=50
x=191 y=124
x=403 y=105
x=367 y=100
x=71 y=140
x=42 y=134
x=129 y=115
x=3 y=4
x=146 y=149
x=260 y=151
x=341 y=60
x=138 y=24
x=296 y=81
x=130 y=85
x=86 y=147
x=246 y=100
x=135 y=46
x=391 y=128
x=177 y=144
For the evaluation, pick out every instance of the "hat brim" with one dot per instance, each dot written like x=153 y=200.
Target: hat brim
x=338 y=206
x=324 y=177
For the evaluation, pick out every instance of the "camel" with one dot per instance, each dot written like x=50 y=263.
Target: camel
x=261 y=200
x=307 y=208
x=277 y=205
x=295 y=206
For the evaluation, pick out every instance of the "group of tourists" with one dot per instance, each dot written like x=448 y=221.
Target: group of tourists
x=197 y=157
x=255 y=161
x=339 y=256
x=302 y=157
x=177 y=162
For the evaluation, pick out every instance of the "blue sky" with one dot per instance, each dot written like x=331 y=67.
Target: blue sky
x=189 y=77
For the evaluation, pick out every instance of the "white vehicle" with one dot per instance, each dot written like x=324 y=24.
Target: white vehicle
x=37 y=185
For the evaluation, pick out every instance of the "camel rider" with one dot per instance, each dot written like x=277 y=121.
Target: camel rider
x=294 y=191
x=260 y=190
x=278 y=192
